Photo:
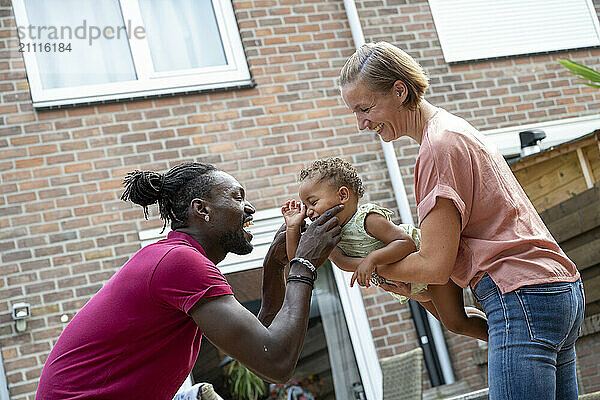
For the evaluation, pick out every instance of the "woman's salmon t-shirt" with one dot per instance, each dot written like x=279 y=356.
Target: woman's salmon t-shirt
x=501 y=233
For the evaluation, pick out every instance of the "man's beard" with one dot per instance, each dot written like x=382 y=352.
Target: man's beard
x=235 y=242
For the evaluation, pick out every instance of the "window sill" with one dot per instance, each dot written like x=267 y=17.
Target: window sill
x=143 y=94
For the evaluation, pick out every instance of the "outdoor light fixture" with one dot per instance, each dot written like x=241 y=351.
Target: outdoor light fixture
x=529 y=141
x=20 y=313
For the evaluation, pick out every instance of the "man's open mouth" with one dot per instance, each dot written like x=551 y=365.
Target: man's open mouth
x=245 y=227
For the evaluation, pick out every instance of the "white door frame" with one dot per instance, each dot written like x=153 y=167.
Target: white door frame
x=3 y=384
x=360 y=335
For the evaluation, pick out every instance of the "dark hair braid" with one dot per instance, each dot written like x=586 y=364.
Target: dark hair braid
x=173 y=190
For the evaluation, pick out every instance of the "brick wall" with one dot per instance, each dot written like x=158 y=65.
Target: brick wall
x=64 y=232
x=588 y=353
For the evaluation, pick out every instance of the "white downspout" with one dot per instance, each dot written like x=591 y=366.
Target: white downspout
x=401 y=200
x=3 y=384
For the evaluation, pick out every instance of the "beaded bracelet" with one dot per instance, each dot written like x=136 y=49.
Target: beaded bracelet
x=376 y=279
x=307 y=264
x=301 y=278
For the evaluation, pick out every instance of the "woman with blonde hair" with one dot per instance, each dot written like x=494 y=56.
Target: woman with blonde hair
x=478 y=229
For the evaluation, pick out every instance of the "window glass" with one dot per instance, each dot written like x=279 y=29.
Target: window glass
x=474 y=29
x=190 y=39
x=96 y=36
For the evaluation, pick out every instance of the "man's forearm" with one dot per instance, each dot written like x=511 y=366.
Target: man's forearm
x=273 y=290
x=292 y=237
x=288 y=329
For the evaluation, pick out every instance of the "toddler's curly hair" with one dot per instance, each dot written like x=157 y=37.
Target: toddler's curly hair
x=336 y=171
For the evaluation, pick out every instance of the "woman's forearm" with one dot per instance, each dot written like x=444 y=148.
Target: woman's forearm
x=415 y=268
x=434 y=262
x=393 y=251
x=343 y=261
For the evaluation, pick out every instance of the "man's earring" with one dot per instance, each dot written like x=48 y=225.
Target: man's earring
x=206 y=218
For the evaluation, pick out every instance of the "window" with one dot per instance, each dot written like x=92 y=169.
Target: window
x=82 y=51
x=475 y=29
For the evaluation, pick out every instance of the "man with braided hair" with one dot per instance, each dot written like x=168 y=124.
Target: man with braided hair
x=139 y=336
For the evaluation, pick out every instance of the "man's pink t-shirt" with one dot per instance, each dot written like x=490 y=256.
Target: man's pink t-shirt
x=502 y=234
x=135 y=339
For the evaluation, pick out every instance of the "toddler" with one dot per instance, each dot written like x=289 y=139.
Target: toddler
x=370 y=238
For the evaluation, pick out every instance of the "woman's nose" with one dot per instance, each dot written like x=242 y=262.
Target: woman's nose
x=363 y=123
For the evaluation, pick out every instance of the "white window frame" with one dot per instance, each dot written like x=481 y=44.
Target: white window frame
x=266 y=223
x=475 y=29
x=148 y=83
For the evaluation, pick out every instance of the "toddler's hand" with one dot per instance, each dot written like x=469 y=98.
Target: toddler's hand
x=363 y=272
x=294 y=213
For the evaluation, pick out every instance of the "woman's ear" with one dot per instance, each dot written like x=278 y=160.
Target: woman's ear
x=400 y=90
x=343 y=194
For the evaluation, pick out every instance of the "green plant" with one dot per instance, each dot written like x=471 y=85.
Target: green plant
x=582 y=72
x=310 y=386
x=243 y=384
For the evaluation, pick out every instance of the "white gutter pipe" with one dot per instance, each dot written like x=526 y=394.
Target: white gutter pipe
x=402 y=201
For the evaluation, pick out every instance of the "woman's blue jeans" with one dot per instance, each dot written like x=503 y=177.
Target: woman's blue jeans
x=532 y=333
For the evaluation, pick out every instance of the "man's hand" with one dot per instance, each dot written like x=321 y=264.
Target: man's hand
x=321 y=237
x=403 y=289
x=276 y=253
x=363 y=272
x=294 y=213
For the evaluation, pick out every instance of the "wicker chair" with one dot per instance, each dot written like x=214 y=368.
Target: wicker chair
x=402 y=376
x=590 y=396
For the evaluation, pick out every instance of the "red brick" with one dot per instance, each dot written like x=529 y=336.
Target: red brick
x=43 y=149
x=24 y=140
x=79 y=167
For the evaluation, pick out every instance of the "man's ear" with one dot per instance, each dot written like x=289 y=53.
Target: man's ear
x=343 y=194
x=200 y=208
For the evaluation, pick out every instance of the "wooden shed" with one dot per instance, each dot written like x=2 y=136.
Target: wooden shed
x=563 y=183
